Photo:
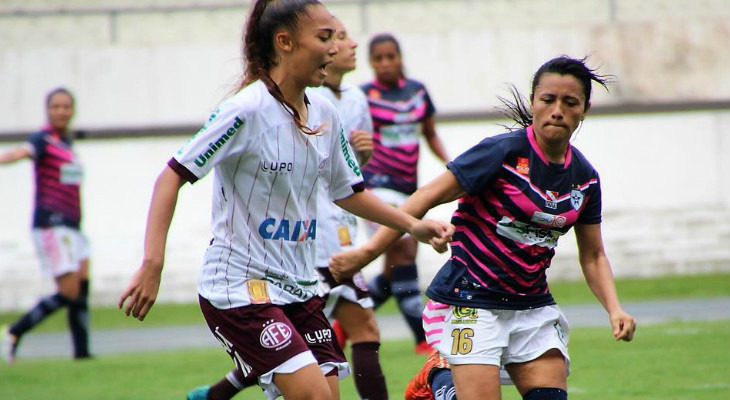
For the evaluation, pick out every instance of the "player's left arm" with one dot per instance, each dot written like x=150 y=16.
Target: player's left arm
x=597 y=272
x=434 y=142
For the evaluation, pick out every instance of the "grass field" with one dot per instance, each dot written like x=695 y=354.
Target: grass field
x=665 y=362
x=572 y=292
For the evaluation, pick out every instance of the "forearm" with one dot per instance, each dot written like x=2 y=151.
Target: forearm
x=438 y=149
x=14 y=155
x=598 y=275
x=159 y=218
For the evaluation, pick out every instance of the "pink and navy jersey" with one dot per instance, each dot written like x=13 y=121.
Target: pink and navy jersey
x=58 y=176
x=507 y=225
x=397 y=114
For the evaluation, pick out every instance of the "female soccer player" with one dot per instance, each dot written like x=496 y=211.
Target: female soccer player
x=348 y=301
x=402 y=111
x=62 y=248
x=519 y=192
x=271 y=147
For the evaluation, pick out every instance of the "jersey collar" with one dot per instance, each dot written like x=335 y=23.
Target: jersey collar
x=538 y=151
x=382 y=86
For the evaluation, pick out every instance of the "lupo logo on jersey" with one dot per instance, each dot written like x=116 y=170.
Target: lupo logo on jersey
x=204 y=157
x=276 y=335
x=276 y=166
x=275 y=229
x=348 y=157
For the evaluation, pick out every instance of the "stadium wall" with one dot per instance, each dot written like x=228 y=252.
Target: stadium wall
x=138 y=65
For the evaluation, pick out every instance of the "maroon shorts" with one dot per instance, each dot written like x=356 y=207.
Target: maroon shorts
x=260 y=337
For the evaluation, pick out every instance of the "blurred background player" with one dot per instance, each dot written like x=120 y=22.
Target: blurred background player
x=348 y=301
x=271 y=146
x=62 y=248
x=402 y=111
x=518 y=193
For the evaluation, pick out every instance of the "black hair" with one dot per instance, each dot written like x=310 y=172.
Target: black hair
x=59 y=90
x=385 y=38
x=517 y=107
x=268 y=16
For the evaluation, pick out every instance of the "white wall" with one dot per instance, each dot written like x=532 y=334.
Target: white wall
x=149 y=69
x=666 y=195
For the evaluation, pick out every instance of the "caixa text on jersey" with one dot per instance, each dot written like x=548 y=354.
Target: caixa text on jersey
x=295 y=231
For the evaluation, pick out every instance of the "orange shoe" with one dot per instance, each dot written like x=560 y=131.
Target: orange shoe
x=423 y=347
x=419 y=387
x=340 y=333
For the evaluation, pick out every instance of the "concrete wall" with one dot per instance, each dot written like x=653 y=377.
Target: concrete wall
x=665 y=181
x=135 y=64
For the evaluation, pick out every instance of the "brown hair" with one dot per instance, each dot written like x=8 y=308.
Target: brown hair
x=267 y=16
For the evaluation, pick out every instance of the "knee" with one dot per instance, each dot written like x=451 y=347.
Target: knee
x=366 y=330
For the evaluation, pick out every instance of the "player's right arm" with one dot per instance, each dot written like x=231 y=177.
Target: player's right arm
x=142 y=290
x=15 y=154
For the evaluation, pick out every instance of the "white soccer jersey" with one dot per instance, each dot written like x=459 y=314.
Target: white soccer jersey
x=340 y=225
x=264 y=215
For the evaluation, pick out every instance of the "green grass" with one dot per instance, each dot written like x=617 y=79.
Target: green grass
x=665 y=362
x=566 y=292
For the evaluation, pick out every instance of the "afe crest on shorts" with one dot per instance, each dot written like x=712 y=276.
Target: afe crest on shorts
x=276 y=335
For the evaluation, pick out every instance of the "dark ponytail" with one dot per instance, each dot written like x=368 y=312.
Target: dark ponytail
x=517 y=108
x=267 y=16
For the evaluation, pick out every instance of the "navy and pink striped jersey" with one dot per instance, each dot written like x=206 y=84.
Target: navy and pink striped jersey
x=397 y=117
x=58 y=176
x=507 y=225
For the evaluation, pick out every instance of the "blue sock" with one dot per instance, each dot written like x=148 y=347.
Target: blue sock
x=78 y=321
x=47 y=306
x=379 y=290
x=546 y=394
x=442 y=385
x=404 y=284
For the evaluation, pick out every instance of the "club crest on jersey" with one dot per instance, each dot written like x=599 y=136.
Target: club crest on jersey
x=276 y=335
x=551 y=200
x=576 y=198
x=523 y=166
x=274 y=229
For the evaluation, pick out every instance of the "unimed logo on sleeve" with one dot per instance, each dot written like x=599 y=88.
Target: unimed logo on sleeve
x=215 y=146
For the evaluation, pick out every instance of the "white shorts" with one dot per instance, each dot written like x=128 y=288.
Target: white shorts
x=60 y=249
x=466 y=335
x=390 y=196
x=271 y=391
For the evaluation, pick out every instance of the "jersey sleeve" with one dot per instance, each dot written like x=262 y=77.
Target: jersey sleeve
x=430 y=107
x=36 y=145
x=221 y=137
x=346 y=177
x=591 y=213
x=475 y=167
x=366 y=122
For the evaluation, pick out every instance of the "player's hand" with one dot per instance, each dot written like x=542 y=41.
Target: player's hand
x=435 y=233
x=346 y=264
x=623 y=325
x=141 y=292
x=441 y=244
x=362 y=143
